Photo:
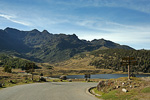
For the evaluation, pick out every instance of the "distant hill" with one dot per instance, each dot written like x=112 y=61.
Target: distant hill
x=47 y=47
x=109 y=59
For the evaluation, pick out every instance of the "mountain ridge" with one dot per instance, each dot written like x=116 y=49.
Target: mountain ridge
x=48 y=47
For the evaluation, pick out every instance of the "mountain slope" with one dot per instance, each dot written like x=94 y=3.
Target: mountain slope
x=108 y=59
x=46 y=47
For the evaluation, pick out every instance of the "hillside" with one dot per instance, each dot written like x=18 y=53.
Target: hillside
x=108 y=59
x=46 y=47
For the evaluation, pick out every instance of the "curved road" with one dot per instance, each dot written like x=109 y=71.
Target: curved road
x=48 y=91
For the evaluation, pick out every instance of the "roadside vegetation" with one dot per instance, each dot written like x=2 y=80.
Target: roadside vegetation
x=16 y=71
x=12 y=79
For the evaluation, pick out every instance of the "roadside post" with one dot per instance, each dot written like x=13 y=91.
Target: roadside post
x=128 y=61
x=87 y=76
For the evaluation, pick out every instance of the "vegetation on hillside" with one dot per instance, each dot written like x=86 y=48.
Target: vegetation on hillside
x=46 y=47
x=9 y=62
x=112 y=58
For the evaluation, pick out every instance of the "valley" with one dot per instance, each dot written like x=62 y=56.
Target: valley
x=36 y=57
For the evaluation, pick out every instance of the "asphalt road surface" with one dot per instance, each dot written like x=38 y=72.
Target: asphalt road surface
x=48 y=91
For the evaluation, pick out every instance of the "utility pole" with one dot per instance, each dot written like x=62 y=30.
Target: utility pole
x=128 y=61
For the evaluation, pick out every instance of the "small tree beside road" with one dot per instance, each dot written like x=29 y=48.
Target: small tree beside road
x=29 y=67
x=7 y=68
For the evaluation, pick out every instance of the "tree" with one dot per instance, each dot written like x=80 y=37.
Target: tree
x=7 y=69
x=29 y=67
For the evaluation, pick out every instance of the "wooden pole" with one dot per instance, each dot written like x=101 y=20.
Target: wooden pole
x=128 y=72
x=128 y=61
x=32 y=72
x=129 y=68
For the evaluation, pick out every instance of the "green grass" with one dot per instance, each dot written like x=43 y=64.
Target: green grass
x=110 y=96
x=146 y=90
x=106 y=96
x=115 y=95
x=98 y=92
x=124 y=97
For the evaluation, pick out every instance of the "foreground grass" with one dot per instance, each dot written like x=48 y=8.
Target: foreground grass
x=146 y=90
x=7 y=84
x=118 y=95
x=112 y=95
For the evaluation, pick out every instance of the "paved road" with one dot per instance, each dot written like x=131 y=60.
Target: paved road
x=48 y=91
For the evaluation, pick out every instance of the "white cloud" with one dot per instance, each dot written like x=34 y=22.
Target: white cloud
x=5 y=16
x=13 y=19
x=120 y=33
x=139 y=5
x=111 y=27
x=86 y=26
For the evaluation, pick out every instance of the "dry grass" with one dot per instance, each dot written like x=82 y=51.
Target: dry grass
x=16 y=79
x=2 y=73
x=75 y=63
x=75 y=66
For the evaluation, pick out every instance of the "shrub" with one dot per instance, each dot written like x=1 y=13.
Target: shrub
x=42 y=79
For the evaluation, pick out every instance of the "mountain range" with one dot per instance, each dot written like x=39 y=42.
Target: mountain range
x=47 y=47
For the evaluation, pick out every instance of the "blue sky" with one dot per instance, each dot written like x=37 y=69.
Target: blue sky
x=126 y=22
